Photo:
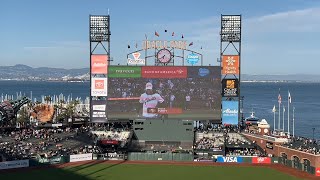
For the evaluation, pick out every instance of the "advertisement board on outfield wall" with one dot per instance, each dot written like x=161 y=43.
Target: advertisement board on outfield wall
x=261 y=160
x=229 y=159
x=318 y=171
x=230 y=111
x=52 y=160
x=99 y=64
x=124 y=72
x=230 y=64
x=99 y=86
x=99 y=111
x=14 y=164
x=80 y=157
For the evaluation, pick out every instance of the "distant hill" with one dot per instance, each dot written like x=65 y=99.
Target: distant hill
x=24 y=72
x=290 y=77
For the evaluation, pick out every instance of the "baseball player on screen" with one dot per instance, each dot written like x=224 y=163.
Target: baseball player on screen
x=149 y=100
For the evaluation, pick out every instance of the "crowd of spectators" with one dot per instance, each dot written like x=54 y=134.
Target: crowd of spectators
x=303 y=144
x=235 y=138
x=30 y=143
x=122 y=136
x=216 y=136
x=210 y=141
x=244 y=152
x=203 y=127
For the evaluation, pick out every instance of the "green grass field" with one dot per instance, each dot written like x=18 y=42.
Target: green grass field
x=149 y=172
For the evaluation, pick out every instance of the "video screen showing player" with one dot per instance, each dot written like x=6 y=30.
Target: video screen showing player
x=190 y=98
x=149 y=99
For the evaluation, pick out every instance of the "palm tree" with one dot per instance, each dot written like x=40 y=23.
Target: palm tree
x=23 y=116
x=60 y=111
x=47 y=99
x=71 y=108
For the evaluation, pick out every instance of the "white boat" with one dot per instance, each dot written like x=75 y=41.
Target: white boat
x=252 y=119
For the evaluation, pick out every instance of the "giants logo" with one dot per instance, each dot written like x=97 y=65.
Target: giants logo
x=150 y=99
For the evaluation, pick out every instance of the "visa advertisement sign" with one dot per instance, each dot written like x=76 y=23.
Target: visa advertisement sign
x=230 y=159
x=230 y=111
x=193 y=59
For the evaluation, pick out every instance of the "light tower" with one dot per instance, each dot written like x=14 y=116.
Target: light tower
x=99 y=37
x=230 y=60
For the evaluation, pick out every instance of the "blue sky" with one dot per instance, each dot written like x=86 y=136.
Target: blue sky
x=278 y=37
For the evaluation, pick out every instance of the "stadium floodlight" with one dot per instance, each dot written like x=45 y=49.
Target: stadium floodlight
x=230 y=28
x=99 y=28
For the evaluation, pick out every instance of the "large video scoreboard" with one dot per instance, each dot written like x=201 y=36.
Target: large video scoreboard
x=180 y=92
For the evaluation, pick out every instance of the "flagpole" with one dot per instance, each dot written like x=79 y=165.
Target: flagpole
x=145 y=51
x=289 y=101
x=274 y=117
x=293 y=122
x=279 y=115
x=284 y=110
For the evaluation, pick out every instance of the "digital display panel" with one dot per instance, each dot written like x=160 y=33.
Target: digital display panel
x=230 y=111
x=165 y=92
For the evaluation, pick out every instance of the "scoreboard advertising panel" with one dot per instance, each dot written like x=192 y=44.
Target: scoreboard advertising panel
x=99 y=108
x=230 y=112
x=99 y=86
x=230 y=87
x=167 y=92
x=230 y=64
x=99 y=64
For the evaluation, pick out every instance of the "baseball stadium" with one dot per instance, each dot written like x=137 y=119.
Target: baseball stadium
x=162 y=115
